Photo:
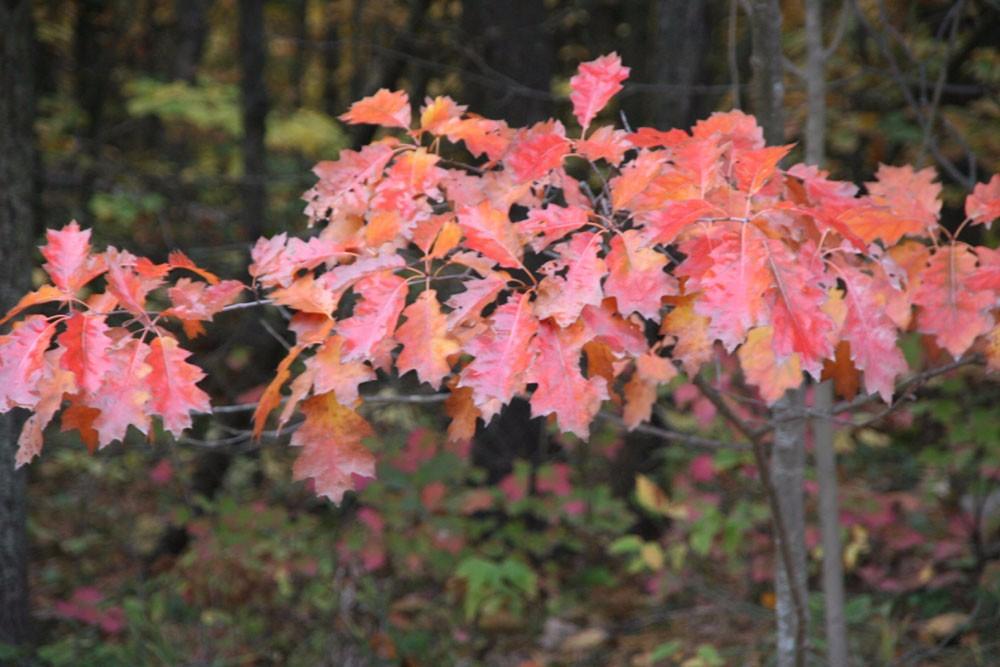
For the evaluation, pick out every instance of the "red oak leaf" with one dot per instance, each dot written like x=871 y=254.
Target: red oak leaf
x=735 y=285
x=343 y=188
x=382 y=298
x=425 y=339
x=22 y=357
x=437 y=112
x=636 y=276
x=501 y=352
x=800 y=323
x=123 y=398
x=950 y=309
x=53 y=385
x=332 y=451
x=635 y=177
x=593 y=86
x=68 y=259
x=178 y=260
x=308 y=295
x=753 y=168
x=490 y=231
x=561 y=388
x=333 y=374
x=870 y=223
x=386 y=108
x=198 y=301
x=871 y=333
x=563 y=297
x=982 y=207
x=271 y=397
x=477 y=295
x=607 y=326
x=664 y=224
x=536 y=152
x=128 y=286
x=606 y=143
x=545 y=226
x=86 y=343
x=909 y=194
x=172 y=382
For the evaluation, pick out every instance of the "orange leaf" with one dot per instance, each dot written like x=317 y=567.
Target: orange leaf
x=44 y=294
x=762 y=368
x=271 y=397
x=462 y=409
x=333 y=374
x=425 y=339
x=385 y=108
x=490 y=231
x=846 y=378
x=178 y=260
x=332 y=453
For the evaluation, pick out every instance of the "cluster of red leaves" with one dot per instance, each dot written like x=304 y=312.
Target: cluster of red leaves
x=512 y=277
x=107 y=361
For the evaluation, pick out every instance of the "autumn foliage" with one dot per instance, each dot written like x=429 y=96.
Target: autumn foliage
x=579 y=270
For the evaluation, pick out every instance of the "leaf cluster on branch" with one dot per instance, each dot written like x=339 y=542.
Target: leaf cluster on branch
x=571 y=270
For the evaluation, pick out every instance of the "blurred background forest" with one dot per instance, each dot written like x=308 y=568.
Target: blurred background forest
x=194 y=124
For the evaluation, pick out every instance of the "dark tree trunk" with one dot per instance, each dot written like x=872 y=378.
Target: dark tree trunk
x=92 y=61
x=192 y=29
x=513 y=68
x=768 y=87
x=331 y=63
x=679 y=48
x=17 y=229
x=300 y=10
x=253 y=57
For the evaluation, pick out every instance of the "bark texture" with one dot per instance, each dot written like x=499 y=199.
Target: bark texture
x=823 y=429
x=254 y=101
x=17 y=228
x=787 y=474
x=767 y=61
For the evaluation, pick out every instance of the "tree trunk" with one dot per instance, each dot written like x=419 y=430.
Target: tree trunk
x=823 y=429
x=17 y=229
x=192 y=29
x=678 y=54
x=254 y=100
x=767 y=61
x=788 y=454
x=787 y=474
x=513 y=76
x=300 y=11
